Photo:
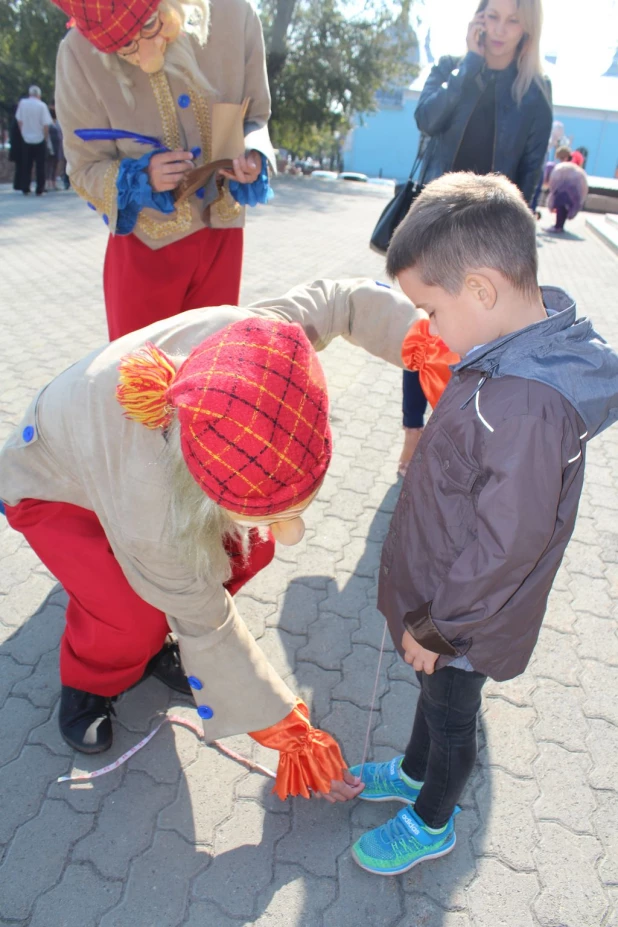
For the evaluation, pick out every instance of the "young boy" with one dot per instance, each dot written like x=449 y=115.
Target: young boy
x=489 y=504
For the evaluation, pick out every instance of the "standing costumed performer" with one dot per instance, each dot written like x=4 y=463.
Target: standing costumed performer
x=150 y=102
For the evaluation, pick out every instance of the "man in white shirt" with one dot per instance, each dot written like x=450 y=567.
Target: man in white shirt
x=34 y=120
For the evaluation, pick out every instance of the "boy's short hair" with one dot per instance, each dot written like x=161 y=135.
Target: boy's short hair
x=563 y=153
x=462 y=222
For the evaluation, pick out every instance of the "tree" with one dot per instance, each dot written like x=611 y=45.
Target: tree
x=30 y=32
x=325 y=66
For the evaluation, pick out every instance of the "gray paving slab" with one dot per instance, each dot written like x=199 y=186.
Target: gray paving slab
x=183 y=837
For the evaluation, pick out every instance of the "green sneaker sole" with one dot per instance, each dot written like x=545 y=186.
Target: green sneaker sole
x=443 y=851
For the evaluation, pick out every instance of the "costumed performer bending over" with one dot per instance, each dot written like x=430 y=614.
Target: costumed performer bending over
x=128 y=67
x=152 y=479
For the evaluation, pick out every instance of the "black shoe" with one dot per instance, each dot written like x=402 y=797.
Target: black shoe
x=167 y=666
x=84 y=720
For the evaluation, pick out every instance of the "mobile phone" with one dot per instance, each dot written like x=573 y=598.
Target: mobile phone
x=482 y=35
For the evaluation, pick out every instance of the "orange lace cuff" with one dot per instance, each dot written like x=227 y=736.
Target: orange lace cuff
x=430 y=356
x=309 y=758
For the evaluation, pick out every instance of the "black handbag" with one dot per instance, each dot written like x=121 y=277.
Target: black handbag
x=397 y=209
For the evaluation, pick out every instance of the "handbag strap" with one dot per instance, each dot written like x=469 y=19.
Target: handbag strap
x=422 y=146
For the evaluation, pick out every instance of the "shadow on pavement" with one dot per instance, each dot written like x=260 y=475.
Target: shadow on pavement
x=180 y=822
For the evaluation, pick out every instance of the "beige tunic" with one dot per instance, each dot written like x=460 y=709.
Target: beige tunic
x=88 y=95
x=85 y=452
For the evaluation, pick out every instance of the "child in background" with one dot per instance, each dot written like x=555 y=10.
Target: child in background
x=488 y=508
x=568 y=188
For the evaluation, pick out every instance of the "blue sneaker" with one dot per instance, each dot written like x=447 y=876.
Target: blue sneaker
x=383 y=782
x=401 y=843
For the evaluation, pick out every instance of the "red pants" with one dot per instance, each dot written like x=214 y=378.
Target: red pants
x=143 y=286
x=111 y=633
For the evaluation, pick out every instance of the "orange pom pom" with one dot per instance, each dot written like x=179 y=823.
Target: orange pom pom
x=309 y=759
x=145 y=377
x=430 y=356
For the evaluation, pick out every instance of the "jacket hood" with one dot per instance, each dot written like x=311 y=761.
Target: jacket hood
x=563 y=352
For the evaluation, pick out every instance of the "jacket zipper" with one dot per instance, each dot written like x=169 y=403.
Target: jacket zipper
x=479 y=386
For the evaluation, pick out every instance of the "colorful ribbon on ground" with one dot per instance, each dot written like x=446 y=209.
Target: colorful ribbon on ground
x=171 y=719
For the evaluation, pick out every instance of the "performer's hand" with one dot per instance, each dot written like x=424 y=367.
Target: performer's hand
x=420 y=659
x=246 y=169
x=167 y=169
x=350 y=787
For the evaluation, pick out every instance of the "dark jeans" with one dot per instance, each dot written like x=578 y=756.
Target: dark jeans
x=442 y=749
x=34 y=154
x=414 y=402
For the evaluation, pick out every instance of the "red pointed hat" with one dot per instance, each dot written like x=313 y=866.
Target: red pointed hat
x=108 y=24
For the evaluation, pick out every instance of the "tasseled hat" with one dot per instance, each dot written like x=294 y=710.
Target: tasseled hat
x=253 y=411
x=108 y=24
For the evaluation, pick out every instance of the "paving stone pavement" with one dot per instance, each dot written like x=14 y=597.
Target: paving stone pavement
x=183 y=837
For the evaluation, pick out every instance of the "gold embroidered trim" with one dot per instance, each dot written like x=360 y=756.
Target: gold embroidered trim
x=106 y=205
x=227 y=207
x=182 y=221
x=201 y=108
x=167 y=110
x=156 y=228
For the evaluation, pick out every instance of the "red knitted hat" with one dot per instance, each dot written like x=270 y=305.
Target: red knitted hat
x=253 y=411
x=108 y=24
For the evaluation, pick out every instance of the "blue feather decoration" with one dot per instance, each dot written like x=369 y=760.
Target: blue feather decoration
x=110 y=135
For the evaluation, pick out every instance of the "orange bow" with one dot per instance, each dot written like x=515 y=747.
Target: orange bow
x=430 y=356
x=309 y=758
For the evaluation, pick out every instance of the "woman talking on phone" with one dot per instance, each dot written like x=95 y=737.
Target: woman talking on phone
x=488 y=111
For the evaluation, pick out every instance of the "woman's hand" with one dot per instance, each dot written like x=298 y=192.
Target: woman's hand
x=166 y=169
x=475 y=39
x=246 y=168
x=350 y=787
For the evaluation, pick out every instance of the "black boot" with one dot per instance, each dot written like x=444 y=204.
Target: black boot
x=84 y=720
x=167 y=666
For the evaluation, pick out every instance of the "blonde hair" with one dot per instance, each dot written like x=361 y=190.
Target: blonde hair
x=199 y=526
x=529 y=67
x=180 y=60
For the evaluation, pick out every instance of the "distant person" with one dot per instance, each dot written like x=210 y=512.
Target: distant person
x=578 y=158
x=16 y=151
x=34 y=120
x=489 y=111
x=55 y=151
x=486 y=514
x=568 y=189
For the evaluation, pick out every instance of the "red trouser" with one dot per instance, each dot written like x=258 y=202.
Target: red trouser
x=143 y=285
x=111 y=633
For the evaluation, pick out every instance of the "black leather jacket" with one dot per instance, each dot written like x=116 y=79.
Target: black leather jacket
x=522 y=132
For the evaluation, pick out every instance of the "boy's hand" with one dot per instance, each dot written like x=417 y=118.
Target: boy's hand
x=423 y=661
x=344 y=790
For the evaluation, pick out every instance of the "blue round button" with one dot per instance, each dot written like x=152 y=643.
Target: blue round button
x=194 y=682
x=200 y=193
x=184 y=100
x=28 y=433
x=196 y=152
x=205 y=712
x=91 y=206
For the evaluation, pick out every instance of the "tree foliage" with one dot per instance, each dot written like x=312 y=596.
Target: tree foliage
x=326 y=62
x=30 y=32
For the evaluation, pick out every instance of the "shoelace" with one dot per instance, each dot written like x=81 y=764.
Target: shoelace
x=397 y=833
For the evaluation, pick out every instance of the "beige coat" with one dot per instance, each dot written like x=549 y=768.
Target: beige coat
x=85 y=452
x=88 y=95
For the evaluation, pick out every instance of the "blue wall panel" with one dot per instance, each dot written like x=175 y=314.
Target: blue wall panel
x=385 y=143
